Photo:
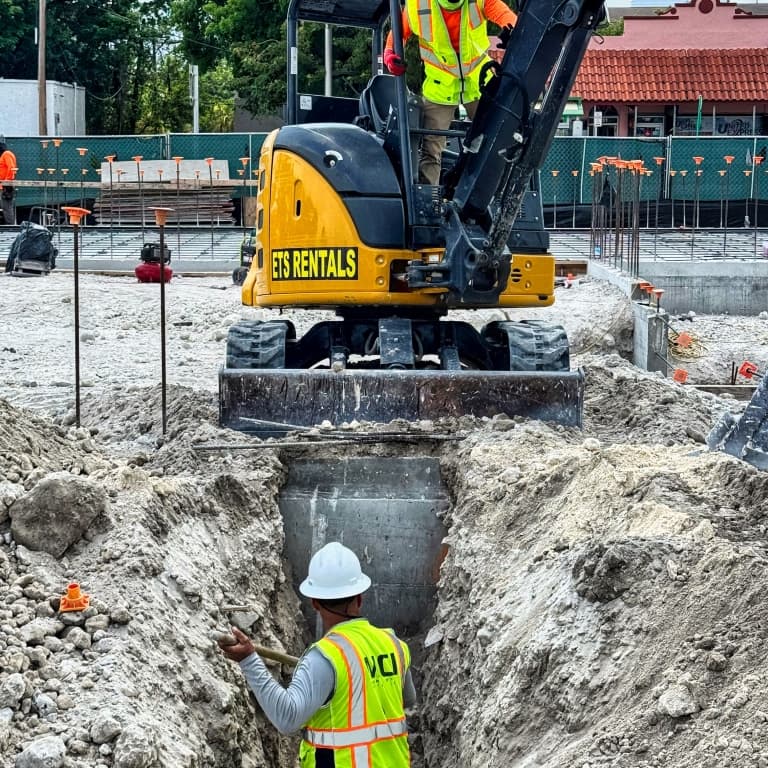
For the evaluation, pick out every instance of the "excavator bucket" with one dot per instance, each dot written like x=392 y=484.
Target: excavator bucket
x=275 y=401
x=746 y=436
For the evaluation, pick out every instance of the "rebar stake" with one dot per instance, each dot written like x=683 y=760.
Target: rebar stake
x=161 y=215
x=75 y=214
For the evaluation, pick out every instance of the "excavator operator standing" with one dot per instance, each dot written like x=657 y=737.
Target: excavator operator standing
x=350 y=688
x=453 y=43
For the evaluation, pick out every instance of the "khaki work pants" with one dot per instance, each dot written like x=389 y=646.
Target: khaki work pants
x=439 y=117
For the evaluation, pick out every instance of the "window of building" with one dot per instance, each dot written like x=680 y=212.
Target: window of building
x=603 y=120
x=720 y=125
x=649 y=126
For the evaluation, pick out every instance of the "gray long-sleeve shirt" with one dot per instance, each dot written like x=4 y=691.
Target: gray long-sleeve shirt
x=313 y=684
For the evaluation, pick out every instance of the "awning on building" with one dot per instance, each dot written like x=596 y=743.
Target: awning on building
x=573 y=108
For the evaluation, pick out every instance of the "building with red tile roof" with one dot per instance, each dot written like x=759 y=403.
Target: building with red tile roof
x=699 y=67
x=695 y=68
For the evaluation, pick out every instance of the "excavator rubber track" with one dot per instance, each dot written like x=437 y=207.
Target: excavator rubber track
x=268 y=385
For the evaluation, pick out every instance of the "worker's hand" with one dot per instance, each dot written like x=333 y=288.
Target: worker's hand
x=504 y=36
x=241 y=649
x=393 y=62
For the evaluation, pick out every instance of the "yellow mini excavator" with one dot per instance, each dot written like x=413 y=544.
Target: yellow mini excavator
x=343 y=224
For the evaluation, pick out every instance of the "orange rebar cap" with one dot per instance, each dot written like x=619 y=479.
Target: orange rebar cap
x=75 y=214
x=680 y=375
x=161 y=214
x=748 y=370
x=74 y=599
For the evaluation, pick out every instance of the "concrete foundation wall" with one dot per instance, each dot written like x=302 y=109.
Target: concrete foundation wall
x=387 y=510
x=649 y=338
x=710 y=287
x=707 y=287
x=649 y=327
x=611 y=275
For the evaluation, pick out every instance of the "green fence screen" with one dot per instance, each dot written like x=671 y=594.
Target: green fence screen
x=564 y=175
x=39 y=159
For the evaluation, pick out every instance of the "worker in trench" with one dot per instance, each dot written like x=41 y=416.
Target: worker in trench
x=453 y=44
x=349 y=691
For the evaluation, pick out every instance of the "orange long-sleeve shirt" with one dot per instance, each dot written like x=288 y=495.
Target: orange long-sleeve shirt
x=7 y=165
x=496 y=11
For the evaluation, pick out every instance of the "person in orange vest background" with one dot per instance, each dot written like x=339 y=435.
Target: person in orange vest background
x=7 y=173
x=453 y=43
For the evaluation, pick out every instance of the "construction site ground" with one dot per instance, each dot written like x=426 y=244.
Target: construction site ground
x=602 y=601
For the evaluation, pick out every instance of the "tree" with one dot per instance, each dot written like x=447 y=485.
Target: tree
x=211 y=27
x=217 y=99
x=124 y=52
x=260 y=68
x=100 y=45
x=612 y=28
x=17 y=45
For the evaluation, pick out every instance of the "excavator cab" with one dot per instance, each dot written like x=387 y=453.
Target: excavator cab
x=342 y=224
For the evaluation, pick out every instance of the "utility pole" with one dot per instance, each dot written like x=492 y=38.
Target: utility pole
x=42 y=109
x=194 y=95
x=328 y=60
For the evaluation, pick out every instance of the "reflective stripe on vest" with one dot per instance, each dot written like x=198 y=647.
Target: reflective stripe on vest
x=400 y=656
x=364 y=722
x=364 y=735
x=450 y=76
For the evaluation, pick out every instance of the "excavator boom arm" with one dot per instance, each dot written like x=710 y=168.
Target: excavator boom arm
x=509 y=138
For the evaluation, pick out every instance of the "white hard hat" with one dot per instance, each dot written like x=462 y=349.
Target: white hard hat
x=334 y=572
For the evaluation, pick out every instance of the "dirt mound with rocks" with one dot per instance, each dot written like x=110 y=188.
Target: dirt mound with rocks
x=626 y=404
x=601 y=604
x=135 y=679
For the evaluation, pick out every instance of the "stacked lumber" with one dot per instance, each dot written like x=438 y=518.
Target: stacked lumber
x=129 y=205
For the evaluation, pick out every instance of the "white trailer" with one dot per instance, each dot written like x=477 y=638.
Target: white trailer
x=65 y=108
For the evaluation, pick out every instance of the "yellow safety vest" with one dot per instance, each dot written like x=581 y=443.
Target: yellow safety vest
x=364 y=722
x=450 y=78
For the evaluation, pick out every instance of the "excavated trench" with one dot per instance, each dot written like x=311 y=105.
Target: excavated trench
x=389 y=506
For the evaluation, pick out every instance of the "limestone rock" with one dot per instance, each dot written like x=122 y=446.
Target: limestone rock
x=104 y=729
x=45 y=705
x=47 y=752
x=35 y=632
x=677 y=701
x=57 y=512
x=12 y=690
x=135 y=748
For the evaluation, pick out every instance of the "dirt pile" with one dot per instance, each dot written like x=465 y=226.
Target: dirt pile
x=627 y=405
x=601 y=604
x=135 y=680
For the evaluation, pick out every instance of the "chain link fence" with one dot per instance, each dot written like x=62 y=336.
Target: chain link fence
x=79 y=158
x=565 y=175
